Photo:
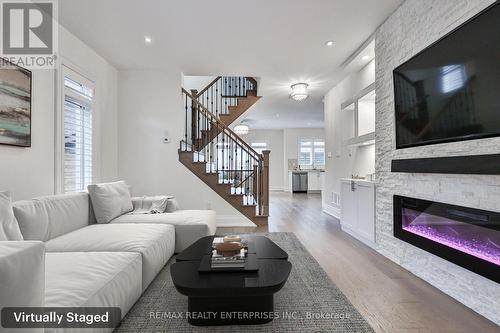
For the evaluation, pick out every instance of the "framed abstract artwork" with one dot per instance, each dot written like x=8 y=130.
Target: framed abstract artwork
x=15 y=105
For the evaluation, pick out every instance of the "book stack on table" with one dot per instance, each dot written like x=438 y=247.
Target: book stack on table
x=237 y=261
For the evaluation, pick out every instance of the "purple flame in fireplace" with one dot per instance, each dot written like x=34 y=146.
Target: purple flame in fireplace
x=475 y=240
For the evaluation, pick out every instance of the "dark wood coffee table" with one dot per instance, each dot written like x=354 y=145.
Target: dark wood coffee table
x=231 y=298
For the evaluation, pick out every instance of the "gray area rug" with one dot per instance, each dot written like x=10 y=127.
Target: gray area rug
x=310 y=299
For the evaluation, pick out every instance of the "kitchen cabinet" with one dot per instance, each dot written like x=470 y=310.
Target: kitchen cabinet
x=358 y=209
x=315 y=181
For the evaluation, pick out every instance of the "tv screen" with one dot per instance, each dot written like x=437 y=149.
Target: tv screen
x=451 y=90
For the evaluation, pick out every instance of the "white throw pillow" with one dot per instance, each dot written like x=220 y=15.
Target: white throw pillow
x=9 y=229
x=110 y=200
x=172 y=205
x=154 y=204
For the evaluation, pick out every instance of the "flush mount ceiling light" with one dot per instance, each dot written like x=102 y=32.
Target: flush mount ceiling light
x=148 y=39
x=299 y=91
x=365 y=57
x=241 y=129
x=329 y=43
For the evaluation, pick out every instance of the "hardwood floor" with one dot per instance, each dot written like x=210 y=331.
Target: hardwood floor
x=388 y=296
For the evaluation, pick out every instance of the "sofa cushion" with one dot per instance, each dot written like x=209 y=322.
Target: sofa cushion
x=93 y=279
x=22 y=277
x=9 y=229
x=44 y=218
x=154 y=242
x=110 y=200
x=190 y=225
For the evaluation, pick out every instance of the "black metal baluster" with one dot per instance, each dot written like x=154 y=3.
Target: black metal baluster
x=225 y=94
x=186 y=110
x=212 y=99
x=223 y=156
x=217 y=98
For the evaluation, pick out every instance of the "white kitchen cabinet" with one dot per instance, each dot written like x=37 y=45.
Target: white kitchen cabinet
x=349 y=216
x=315 y=181
x=358 y=209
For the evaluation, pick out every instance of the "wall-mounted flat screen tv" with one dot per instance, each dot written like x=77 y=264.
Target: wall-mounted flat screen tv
x=451 y=90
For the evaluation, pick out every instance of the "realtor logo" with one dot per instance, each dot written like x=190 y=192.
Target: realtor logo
x=29 y=32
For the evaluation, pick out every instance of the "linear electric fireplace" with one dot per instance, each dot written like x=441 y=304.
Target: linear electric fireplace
x=465 y=236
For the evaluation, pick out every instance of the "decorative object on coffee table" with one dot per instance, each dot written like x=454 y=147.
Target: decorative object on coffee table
x=232 y=238
x=231 y=292
x=229 y=249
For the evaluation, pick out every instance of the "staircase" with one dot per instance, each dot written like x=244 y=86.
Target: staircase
x=217 y=155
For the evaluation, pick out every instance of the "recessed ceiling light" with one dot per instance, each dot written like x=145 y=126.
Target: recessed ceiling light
x=365 y=57
x=329 y=43
x=148 y=39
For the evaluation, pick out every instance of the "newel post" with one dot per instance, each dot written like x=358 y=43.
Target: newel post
x=265 y=182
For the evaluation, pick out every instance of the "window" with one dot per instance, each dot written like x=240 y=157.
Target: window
x=453 y=78
x=259 y=147
x=312 y=153
x=78 y=131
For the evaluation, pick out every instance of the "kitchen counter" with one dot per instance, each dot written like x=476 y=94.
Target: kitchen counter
x=315 y=179
x=348 y=180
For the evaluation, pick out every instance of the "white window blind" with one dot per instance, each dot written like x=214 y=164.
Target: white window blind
x=312 y=153
x=453 y=78
x=78 y=130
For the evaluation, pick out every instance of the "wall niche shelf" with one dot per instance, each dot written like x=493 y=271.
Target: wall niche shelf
x=465 y=165
x=358 y=115
x=360 y=140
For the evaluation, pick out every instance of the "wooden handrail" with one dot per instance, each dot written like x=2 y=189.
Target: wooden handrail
x=207 y=131
x=249 y=78
x=223 y=127
x=209 y=85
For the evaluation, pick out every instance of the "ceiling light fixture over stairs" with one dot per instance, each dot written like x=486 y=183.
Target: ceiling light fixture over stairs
x=241 y=129
x=299 y=91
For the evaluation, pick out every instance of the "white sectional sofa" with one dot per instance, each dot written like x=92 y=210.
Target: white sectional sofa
x=87 y=264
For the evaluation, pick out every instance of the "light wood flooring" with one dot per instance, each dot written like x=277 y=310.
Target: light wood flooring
x=388 y=296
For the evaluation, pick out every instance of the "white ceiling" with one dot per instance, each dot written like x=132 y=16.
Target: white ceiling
x=279 y=41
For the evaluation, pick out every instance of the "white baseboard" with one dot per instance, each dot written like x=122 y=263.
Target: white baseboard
x=276 y=188
x=332 y=211
x=233 y=221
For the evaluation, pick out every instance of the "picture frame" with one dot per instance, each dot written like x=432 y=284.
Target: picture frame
x=15 y=105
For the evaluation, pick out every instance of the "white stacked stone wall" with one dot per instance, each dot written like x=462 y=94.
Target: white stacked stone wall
x=410 y=29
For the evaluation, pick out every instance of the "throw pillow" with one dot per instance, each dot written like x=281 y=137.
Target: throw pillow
x=172 y=205
x=9 y=229
x=110 y=200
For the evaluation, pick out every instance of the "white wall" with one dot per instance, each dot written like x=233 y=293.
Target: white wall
x=149 y=105
x=196 y=82
x=345 y=160
x=414 y=26
x=291 y=137
x=274 y=139
x=29 y=172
